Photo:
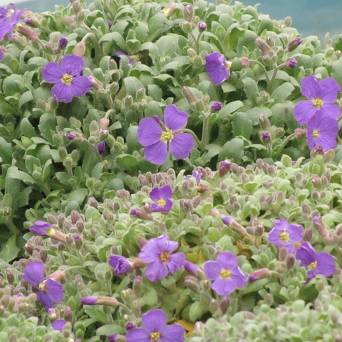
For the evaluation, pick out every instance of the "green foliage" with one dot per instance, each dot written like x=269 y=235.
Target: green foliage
x=40 y=168
x=278 y=307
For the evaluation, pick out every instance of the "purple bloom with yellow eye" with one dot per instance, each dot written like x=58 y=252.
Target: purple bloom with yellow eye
x=120 y=264
x=225 y=274
x=217 y=68
x=49 y=292
x=155 y=329
x=9 y=18
x=321 y=263
x=42 y=228
x=322 y=132
x=67 y=78
x=286 y=235
x=321 y=96
x=162 y=198
x=58 y=324
x=159 y=138
x=160 y=257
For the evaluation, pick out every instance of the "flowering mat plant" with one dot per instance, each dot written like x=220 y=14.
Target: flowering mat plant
x=169 y=172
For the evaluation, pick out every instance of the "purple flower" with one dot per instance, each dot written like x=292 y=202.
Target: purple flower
x=101 y=147
x=90 y=300
x=321 y=96
x=198 y=174
x=49 y=292
x=62 y=43
x=316 y=263
x=217 y=68
x=158 y=254
x=58 y=324
x=322 y=132
x=191 y=267
x=67 y=78
x=225 y=274
x=120 y=264
x=158 y=137
x=155 y=329
x=42 y=228
x=286 y=235
x=216 y=106
x=162 y=198
x=9 y=18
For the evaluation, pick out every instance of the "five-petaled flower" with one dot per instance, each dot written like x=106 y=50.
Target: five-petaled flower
x=155 y=329
x=67 y=78
x=158 y=137
x=162 y=198
x=316 y=263
x=225 y=274
x=58 y=324
x=322 y=132
x=217 y=68
x=9 y=18
x=120 y=264
x=286 y=235
x=158 y=254
x=321 y=95
x=49 y=292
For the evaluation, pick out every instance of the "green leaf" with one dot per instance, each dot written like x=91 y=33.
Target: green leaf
x=25 y=98
x=283 y=91
x=9 y=250
x=127 y=162
x=242 y=125
x=232 y=149
x=115 y=38
x=250 y=87
x=14 y=173
x=26 y=128
x=5 y=151
x=230 y=108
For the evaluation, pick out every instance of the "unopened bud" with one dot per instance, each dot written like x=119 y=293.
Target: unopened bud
x=224 y=167
x=291 y=63
x=290 y=261
x=188 y=12
x=260 y=274
x=262 y=45
x=294 y=43
x=202 y=26
x=245 y=62
x=189 y=95
x=27 y=32
x=80 y=49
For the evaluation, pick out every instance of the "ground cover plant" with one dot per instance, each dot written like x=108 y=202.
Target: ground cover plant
x=232 y=74
x=169 y=172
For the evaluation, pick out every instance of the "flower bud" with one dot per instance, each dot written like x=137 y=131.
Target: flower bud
x=262 y=45
x=265 y=137
x=290 y=261
x=141 y=214
x=224 y=167
x=291 y=63
x=191 y=283
x=169 y=10
x=188 y=12
x=294 y=43
x=80 y=49
x=260 y=274
x=189 y=95
x=202 y=26
x=245 y=62
x=62 y=43
x=282 y=254
x=27 y=32
x=216 y=106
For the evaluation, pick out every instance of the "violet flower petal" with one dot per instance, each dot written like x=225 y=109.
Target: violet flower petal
x=153 y=320
x=174 y=118
x=181 y=145
x=156 y=153
x=149 y=131
x=34 y=273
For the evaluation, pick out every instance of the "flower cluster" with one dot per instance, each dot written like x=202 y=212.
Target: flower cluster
x=320 y=112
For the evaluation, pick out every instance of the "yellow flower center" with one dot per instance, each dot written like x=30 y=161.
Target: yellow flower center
x=312 y=265
x=225 y=273
x=315 y=133
x=67 y=79
x=297 y=244
x=284 y=236
x=51 y=232
x=318 y=103
x=164 y=256
x=161 y=202
x=155 y=336
x=42 y=286
x=166 y=136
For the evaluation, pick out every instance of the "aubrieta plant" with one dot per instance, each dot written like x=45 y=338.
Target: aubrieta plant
x=238 y=244
x=175 y=170
x=94 y=94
